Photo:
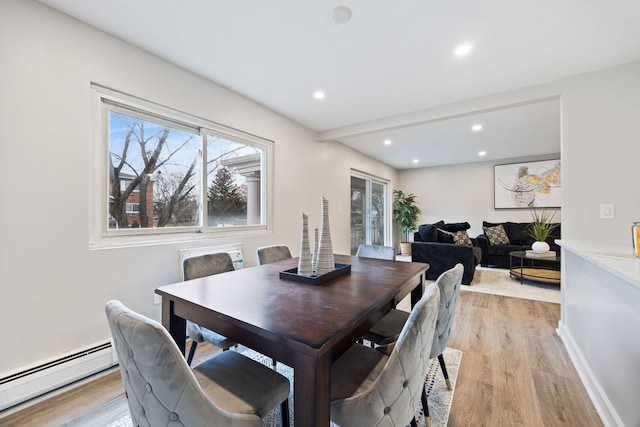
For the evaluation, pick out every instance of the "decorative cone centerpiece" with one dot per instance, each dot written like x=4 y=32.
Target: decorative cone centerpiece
x=325 y=261
x=314 y=257
x=319 y=266
x=304 y=262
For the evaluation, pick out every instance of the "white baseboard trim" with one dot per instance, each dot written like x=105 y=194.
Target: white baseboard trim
x=603 y=405
x=41 y=398
x=33 y=381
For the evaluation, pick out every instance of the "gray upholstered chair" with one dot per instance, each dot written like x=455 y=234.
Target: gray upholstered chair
x=194 y=268
x=379 y=252
x=370 y=388
x=388 y=328
x=228 y=389
x=269 y=254
x=376 y=251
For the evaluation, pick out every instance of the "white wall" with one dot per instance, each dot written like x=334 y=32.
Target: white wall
x=53 y=288
x=601 y=152
x=463 y=193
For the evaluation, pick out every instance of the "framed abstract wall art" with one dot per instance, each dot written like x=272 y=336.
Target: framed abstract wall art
x=527 y=185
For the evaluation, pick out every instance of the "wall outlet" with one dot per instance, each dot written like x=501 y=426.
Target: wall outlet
x=157 y=299
x=607 y=211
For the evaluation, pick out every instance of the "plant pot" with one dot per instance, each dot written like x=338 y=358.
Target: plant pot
x=540 y=247
x=405 y=249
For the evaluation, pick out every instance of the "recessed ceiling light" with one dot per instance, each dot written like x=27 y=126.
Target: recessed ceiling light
x=482 y=153
x=415 y=160
x=387 y=142
x=463 y=49
x=477 y=127
x=340 y=15
x=319 y=94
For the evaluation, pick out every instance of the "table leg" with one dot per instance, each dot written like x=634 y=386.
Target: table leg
x=312 y=391
x=416 y=293
x=176 y=325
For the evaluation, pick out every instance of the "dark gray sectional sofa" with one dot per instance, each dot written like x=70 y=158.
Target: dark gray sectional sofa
x=519 y=240
x=434 y=244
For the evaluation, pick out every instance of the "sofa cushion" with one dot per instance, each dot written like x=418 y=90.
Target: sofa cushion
x=445 y=236
x=503 y=250
x=456 y=226
x=519 y=233
x=496 y=235
x=429 y=232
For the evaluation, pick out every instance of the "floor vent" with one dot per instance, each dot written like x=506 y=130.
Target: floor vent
x=18 y=387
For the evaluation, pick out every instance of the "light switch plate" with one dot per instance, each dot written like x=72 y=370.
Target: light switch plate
x=607 y=211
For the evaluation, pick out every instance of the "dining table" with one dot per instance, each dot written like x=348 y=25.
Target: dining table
x=303 y=325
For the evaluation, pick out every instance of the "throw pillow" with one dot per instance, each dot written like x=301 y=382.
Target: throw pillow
x=459 y=237
x=462 y=238
x=496 y=235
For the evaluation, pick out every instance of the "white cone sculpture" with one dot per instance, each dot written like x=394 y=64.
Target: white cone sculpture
x=304 y=261
x=314 y=258
x=326 y=262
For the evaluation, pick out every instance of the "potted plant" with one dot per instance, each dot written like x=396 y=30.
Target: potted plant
x=405 y=213
x=540 y=229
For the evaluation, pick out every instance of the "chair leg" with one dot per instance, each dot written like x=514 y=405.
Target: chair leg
x=192 y=352
x=284 y=412
x=414 y=423
x=425 y=408
x=444 y=371
x=274 y=363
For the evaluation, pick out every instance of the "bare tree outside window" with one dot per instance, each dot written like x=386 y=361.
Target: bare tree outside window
x=156 y=166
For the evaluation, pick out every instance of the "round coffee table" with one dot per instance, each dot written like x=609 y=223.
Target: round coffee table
x=537 y=269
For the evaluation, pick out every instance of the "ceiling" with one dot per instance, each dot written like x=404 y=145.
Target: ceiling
x=391 y=59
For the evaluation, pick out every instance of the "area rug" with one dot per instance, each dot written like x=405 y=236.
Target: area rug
x=439 y=399
x=497 y=281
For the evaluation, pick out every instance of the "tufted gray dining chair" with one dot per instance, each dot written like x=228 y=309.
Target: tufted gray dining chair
x=388 y=328
x=269 y=254
x=376 y=251
x=370 y=388
x=228 y=389
x=194 y=268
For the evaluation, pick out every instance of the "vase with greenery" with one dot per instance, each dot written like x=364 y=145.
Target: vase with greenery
x=540 y=229
x=405 y=213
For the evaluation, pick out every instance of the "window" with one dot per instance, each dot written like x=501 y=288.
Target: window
x=170 y=172
x=369 y=211
x=133 y=208
x=234 y=176
x=154 y=164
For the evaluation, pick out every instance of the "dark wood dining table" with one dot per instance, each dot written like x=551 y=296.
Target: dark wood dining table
x=304 y=326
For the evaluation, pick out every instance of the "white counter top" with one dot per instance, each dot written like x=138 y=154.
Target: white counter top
x=616 y=259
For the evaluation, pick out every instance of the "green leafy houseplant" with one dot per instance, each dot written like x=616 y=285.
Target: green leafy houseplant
x=541 y=227
x=405 y=212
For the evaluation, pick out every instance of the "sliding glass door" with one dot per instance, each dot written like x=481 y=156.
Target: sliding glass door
x=369 y=211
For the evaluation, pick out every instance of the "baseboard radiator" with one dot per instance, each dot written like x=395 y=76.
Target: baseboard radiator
x=234 y=250
x=19 y=387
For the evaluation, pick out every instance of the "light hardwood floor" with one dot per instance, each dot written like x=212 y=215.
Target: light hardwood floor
x=514 y=372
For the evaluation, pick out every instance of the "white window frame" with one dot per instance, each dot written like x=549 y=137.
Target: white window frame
x=369 y=179
x=102 y=237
